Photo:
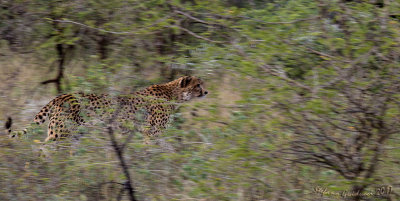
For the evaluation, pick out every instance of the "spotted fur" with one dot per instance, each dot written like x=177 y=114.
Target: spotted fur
x=157 y=102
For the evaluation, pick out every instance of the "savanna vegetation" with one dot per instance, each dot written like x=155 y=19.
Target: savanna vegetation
x=303 y=103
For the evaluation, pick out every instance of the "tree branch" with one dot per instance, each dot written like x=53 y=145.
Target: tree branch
x=119 y=151
x=193 y=18
x=112 y=32
x=61 y=60
x=125 y=168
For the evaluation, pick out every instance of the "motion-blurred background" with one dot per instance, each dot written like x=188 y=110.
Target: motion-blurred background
x=304 y=98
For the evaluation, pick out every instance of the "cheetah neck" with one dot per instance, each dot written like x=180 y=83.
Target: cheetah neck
x=168 y=91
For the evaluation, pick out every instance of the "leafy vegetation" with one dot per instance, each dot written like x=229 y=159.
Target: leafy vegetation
x=304 y=95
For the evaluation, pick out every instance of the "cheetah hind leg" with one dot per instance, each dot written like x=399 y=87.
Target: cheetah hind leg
x=60 y=128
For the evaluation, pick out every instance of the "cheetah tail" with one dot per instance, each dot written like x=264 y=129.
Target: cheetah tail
x=7 y=127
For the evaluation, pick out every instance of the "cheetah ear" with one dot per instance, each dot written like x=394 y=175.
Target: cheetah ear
x=185 y=81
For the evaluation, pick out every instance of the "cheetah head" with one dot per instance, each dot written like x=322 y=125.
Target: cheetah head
x=190 y=87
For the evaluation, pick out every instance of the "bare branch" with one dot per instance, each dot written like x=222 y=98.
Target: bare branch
x=113 y=32
x=193 y=18
x=119 y=151
x=324 y=54
x=61 y=52
x=124 y=166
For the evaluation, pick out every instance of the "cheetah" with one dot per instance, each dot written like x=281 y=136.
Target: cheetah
x=156 y=102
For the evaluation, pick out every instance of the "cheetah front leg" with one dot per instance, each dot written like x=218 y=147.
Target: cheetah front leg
x=157 y=124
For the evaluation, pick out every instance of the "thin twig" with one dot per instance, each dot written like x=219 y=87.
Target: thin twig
x=113 y=32
x=95 y=28
x=193 y=18
x=195 y=35
x=287 y=22
x=322 y=54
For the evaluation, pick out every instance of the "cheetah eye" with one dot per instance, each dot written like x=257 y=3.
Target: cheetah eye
x=198 y=85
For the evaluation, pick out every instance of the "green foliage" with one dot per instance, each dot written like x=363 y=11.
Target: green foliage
x=301 y=93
